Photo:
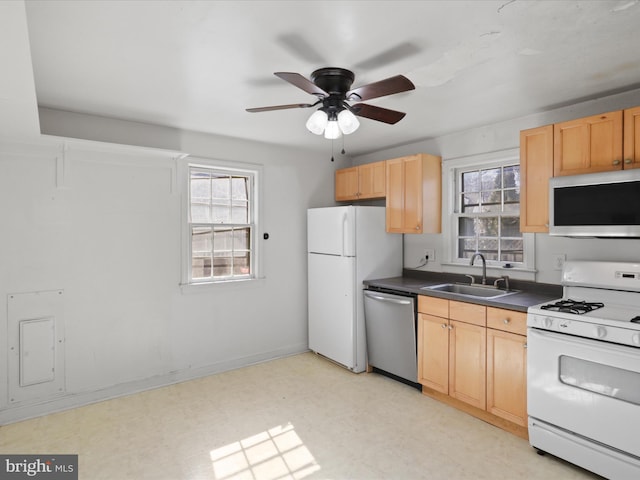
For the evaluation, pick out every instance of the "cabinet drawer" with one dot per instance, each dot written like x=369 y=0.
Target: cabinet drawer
x=433 y=306
x=507 y=320
x=468 y=313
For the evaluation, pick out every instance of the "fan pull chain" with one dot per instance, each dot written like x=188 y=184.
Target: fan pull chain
x=332 y=149
x=343 y=152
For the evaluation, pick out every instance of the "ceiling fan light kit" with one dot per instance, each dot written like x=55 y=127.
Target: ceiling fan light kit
x=332 y=87
x=331 y=125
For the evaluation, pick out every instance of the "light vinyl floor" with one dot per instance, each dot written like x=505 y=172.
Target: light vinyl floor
x=299 y=417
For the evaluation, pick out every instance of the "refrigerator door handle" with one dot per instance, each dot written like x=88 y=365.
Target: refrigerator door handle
x=385 y=299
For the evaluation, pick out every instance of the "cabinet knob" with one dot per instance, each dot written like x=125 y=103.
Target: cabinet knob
x=444 y=325
x=524 y=345
x=506 y=321
x=450 y=327
x=417 y=227
x=627 y=161
x=616 y=162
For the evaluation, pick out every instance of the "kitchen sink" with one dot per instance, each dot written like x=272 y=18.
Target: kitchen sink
x=482 y=291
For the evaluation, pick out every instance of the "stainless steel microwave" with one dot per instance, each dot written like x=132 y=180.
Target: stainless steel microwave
x=603 y=204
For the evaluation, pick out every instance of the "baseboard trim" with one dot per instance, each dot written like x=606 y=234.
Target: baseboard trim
x=72 y=400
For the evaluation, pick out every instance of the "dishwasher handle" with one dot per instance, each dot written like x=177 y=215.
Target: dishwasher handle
x=370 y=294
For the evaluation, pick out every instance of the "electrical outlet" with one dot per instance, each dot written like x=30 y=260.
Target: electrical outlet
x=430 y=255
x=558 y=260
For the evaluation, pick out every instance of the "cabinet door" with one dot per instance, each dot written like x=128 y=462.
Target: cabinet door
x=346 y=184
x=433 y=352
x=371 y=180
x=632 y=138
x=507 y=376
x=536 y=168
x=413 y=194
x=395 y=195
x=587 y=145
x=467 y=363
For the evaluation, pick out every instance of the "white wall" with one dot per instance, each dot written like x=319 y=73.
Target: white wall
x=505 y=136
x=102 y=222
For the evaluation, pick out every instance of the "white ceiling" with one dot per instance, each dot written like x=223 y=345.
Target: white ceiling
x=197 y=65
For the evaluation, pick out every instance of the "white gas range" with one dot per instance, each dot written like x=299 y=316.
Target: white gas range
x=583 y=369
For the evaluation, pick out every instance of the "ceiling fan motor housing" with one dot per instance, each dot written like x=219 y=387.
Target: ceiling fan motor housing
x=334 y=81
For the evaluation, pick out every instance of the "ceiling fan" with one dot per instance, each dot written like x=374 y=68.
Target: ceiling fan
x=332 y=86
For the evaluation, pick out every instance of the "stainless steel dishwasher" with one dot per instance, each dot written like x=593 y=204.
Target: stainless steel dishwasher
x=390 y=322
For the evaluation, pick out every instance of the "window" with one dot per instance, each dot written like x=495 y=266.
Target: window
x=221 y=224
x=487 y=213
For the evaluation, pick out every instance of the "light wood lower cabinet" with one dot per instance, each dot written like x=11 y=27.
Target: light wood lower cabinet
x=467 y=363
x=452 y=351
x=474 y=357
x=507 y=364
x=507 y=375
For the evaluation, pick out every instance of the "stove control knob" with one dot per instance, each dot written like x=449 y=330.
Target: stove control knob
x=601 y=332
x=635 y=338
x=547 y=322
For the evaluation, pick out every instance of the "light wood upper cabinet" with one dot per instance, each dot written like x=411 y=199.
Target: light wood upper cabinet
x=631 y=147
x=606 y=142
x=536 y=168
x=346 y=184
x=372 y=179
x=414 y=194
x=588 y=145
x=361 y=182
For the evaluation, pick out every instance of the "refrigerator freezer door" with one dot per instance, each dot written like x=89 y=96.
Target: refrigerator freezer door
x=332 y=231
x=332 y=309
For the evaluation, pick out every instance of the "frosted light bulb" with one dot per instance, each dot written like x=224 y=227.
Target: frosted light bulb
x=348 y=122
x=317 y=122
x=332 y=131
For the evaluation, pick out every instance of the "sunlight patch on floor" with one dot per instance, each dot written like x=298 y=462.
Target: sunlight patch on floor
x=277 y=453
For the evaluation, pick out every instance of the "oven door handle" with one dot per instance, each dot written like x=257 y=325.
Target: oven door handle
x=535 y=335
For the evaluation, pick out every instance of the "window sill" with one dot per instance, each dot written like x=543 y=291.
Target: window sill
x=478 y=265
x=521 y=273
x=224 y=285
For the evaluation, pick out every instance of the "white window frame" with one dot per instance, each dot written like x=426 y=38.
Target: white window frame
x=451 y=171
x=255 y=172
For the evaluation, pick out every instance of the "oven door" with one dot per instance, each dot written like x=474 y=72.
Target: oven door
x=588 y=387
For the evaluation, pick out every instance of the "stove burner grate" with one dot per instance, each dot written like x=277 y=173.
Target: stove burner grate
x=573 y=306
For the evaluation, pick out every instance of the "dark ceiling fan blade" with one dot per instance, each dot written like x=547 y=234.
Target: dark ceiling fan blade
x=389 y=86
x=302 y=83
x=377 y=113
x=280 y=107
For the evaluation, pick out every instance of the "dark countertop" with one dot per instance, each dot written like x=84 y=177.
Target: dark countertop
x=412 y=281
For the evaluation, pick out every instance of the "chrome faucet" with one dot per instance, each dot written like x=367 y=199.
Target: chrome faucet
x=484 y=266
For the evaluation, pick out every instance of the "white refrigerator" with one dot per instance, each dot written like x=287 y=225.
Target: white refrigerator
x=346 y=245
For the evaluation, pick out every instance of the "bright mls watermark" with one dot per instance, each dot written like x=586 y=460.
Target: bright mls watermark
x=50 y=467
